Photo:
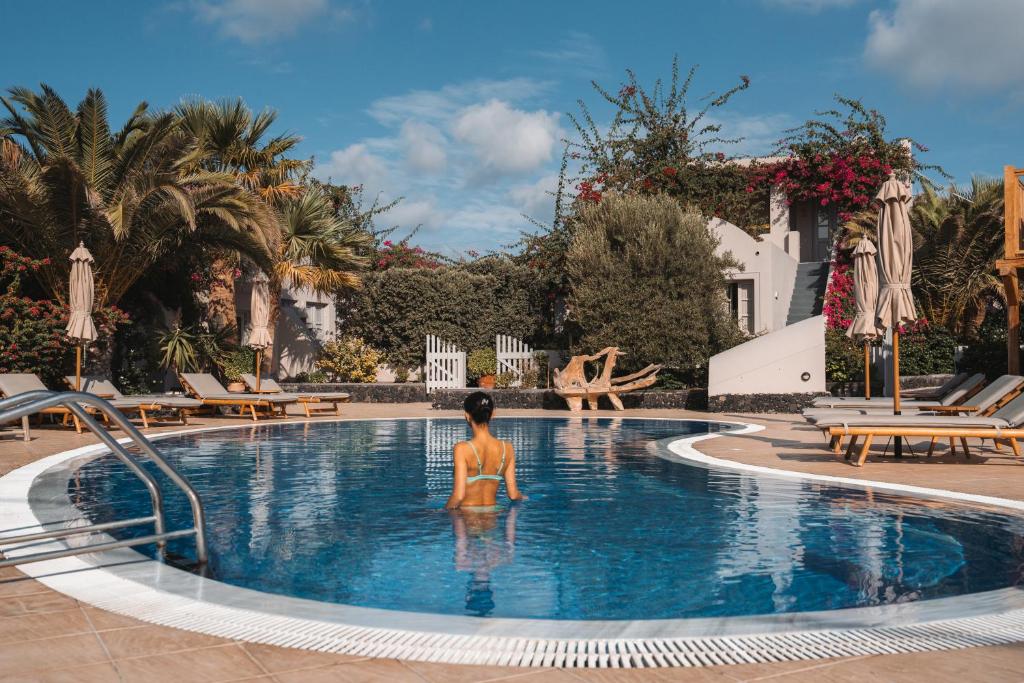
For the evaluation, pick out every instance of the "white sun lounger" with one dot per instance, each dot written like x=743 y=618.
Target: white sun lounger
x=148 y=402
x=272 y=388
x=212 y=393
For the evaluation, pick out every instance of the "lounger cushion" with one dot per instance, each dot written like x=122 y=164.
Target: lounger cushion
x=14 y=383
x=99 y=385
x=939 y=391
x=269 y=385
x=938 y=421
x=953 y=398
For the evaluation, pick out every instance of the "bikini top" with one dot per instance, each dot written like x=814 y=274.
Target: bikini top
x=480 y=466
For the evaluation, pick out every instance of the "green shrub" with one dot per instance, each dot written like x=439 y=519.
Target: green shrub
x=234 y=364
x=644 y=276
x=505 y=380
x=929 y=351
x=844 y=357
x=986 y=351
x=350 y=359
x=481 y=362
x=466 y=304
x=313 y=377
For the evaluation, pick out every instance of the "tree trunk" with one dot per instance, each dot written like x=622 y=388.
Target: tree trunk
x=220 y=308
x=272 y=355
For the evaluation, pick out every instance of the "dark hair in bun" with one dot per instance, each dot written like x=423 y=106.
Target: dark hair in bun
x=480 y=407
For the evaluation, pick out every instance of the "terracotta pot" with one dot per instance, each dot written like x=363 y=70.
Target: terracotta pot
x=236 y=387
x=486 y=382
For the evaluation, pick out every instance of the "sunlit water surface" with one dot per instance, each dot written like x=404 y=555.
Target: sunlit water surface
x=351 y=512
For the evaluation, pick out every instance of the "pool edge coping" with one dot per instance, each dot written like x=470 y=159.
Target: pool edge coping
x=407 y=635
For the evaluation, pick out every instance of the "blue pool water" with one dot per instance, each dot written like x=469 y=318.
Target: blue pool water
x=351 y=512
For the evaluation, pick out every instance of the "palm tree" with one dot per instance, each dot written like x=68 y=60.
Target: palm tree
x=231 y=138
x=317 y=249
x=133 y=196
x=958 y=236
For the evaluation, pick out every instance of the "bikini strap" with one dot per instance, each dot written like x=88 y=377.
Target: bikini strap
x=502 y=465
x=479 y=465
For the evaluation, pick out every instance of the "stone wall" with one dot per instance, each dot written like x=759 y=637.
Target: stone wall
x=760 y=403
x=410 y=392
x=546 y=399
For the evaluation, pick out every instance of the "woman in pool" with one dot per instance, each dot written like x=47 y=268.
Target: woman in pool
x=482 y=462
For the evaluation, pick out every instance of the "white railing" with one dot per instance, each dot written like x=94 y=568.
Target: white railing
x=446 y=365
x=514 y=356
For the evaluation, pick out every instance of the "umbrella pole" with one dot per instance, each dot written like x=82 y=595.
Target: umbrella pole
x=259 y=362
x=898 y=441
x=867 y=370
x=78 y=367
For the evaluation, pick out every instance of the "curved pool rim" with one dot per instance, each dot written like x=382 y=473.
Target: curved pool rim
x=126 y=582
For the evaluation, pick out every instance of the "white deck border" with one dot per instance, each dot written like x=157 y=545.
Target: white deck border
x=133 y=585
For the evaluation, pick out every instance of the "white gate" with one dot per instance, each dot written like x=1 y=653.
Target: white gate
x=446 y=365
x=513 y=356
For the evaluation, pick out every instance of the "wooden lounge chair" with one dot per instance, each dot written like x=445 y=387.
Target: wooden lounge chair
x=572 y=384
x=983 y=403
x=212 y=394
x=272 y=388
x=14 y=383
x=964 y=390
x=935 y=393
x=1005 y=425
x=147 y=403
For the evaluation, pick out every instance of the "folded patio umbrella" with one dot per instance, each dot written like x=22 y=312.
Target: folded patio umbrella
x=864 y=327
x=259 y=311
x=896 y=260
x=80 y=326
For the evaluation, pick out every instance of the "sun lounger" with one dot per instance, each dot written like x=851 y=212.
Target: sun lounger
x=147 y=403
x=212 y=393
x=964 y=390
x=270 y=387
x=935 y=393
x=985 y=402
x=14 y=383
x=1004 y=425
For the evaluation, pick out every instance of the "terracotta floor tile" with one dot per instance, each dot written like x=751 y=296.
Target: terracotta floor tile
x=44 y=625
x=367 y=671
x=153 y=640
x=93 y=673
x=35 y=603
x=222 y=663
x=51 y=653
x=684 y=675
x=20 y=585
x=456 y=673
x=275 y=659
x=102 y=620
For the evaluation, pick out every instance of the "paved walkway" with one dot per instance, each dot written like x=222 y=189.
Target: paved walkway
x=45 y=636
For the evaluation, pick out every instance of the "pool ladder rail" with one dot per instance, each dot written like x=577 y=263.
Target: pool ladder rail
x=29 y=403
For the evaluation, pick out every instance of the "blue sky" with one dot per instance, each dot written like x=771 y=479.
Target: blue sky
x=460 y=107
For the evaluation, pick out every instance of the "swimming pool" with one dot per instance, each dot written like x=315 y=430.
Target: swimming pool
x=349 y=512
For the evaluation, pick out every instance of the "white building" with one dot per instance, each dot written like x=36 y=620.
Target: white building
x=306 y=321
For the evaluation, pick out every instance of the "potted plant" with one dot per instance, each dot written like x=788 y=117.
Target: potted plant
x=234 y=364
x=482 y=365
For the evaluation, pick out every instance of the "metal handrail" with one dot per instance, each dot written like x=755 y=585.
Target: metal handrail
x=28 y=403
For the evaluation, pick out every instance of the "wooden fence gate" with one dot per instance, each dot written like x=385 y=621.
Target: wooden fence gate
x=514 y=356
x=446 y=365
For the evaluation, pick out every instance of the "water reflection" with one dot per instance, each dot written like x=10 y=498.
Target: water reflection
x=484 y=541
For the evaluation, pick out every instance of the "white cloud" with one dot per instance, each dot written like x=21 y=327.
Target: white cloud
x=255 y=21
x=536 y=199
x=760 y=132
x=577 y=52
x=933 y=43
x=809 y=5
x=355 y=165
x=410 y=214
x=507 y=140
x=424 y=146
x=443 y=103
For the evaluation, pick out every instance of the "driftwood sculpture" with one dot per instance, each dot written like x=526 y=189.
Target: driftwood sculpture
x=572 y=383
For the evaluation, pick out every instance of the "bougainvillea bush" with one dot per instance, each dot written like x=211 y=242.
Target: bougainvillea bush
x=32 y=335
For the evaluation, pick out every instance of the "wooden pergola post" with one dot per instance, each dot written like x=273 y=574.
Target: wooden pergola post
x=1012 y=261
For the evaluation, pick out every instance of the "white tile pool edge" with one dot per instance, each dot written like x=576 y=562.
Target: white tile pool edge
x=159 y=594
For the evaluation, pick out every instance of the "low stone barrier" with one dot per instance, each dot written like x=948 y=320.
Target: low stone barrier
x=760 y=403
x=546 y=399
x=406 y=392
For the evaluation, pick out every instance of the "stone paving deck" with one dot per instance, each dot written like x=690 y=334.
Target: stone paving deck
x=46 y=636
